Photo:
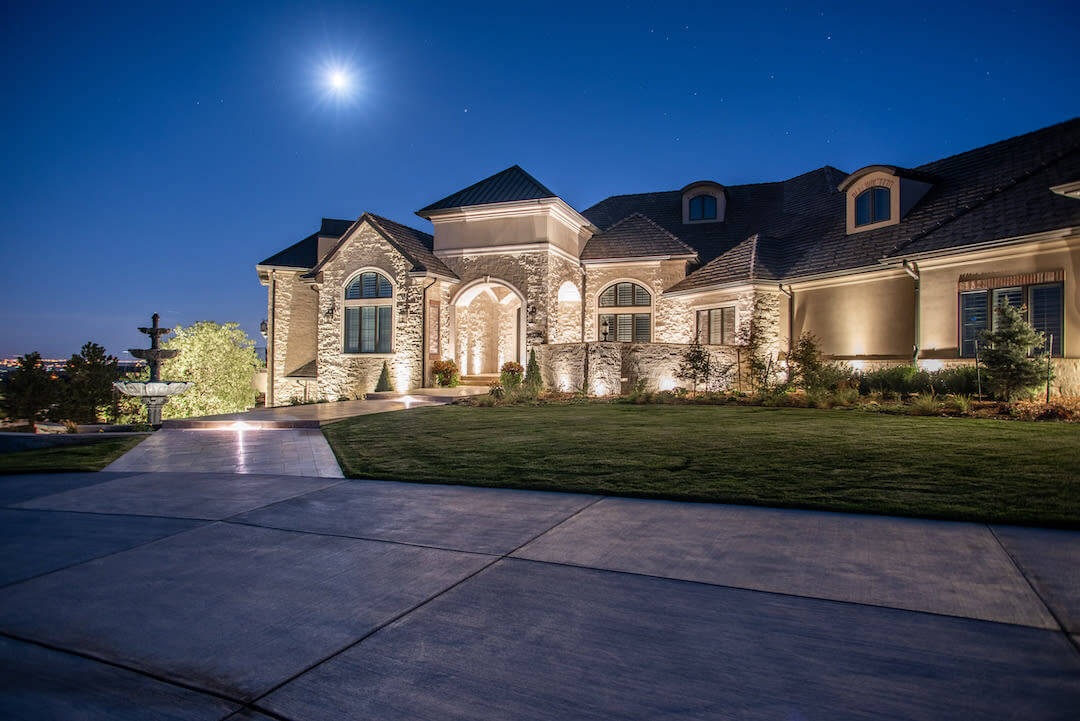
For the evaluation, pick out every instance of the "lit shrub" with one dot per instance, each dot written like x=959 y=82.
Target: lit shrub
x=446 y=373
x=510 y=375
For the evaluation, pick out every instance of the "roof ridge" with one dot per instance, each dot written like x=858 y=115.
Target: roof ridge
x=439 y=204
x=753 y=253
x=984 y=198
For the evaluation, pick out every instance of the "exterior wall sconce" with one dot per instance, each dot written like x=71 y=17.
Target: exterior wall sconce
x=605 y=328
x=263 y=329
x=331 y=310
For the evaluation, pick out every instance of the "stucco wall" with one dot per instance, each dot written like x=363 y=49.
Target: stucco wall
x=536 y=227
x=856 y=319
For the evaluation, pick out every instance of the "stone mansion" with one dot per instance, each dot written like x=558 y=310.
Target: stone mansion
x=885 y=265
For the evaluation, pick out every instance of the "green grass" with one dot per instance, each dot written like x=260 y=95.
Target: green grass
x=950 y=468
x=83 y=457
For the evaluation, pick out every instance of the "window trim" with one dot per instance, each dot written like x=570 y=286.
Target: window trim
x=633 y=281
x=873 y=206
x=1025 y=295
x=390 y=302
x=703 y=217
x=723 y=306
x=633 y=312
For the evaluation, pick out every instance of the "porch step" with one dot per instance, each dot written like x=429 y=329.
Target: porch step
x=480 y=379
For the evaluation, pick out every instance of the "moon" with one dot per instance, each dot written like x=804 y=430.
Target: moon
x=338 y=80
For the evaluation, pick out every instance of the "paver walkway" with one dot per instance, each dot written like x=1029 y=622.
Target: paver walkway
x=283 y=452
x=212 y=596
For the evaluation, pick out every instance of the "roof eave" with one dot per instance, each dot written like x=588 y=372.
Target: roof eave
x=639 y=258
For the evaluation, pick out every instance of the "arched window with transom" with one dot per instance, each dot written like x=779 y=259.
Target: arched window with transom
x=625 y=313
x=369 y=314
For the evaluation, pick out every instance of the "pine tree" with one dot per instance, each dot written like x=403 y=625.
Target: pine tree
x=383 y=386
x=28 y=391
x=1006 y=353
x=89 y=376
x=534 y=383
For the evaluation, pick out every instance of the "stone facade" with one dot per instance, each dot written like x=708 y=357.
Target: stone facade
x=350 y=375
x=615 y=367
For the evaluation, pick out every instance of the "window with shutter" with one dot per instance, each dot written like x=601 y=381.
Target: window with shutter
x=625 y=295
x=642 y=327
x=1013 y=297
x=974 y=315
x=1047 y=314
x=369 y=321
x=728 y=336
x=352 y=330
x=624 y=326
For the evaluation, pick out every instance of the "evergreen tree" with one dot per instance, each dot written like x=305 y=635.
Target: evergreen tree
x=28 y=391
x=1006 y=352
x=88 y=384
x=383 y=385
x=534 y=383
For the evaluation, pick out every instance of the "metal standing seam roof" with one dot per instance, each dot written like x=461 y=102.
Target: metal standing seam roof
x=503 y=187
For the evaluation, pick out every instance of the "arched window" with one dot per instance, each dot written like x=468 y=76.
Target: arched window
x=634 y=325
x=369 y=285
x=703 y=207
x=873 y=206
x=369 y=319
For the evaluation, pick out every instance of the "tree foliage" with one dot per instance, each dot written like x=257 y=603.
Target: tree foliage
x=87 y=386
x=384 y=385
x=220 y=360
x=534 y=382
x=695 y=366
x=761 y=367
x=1006 y=353
x=28 y=391
x=808 y=369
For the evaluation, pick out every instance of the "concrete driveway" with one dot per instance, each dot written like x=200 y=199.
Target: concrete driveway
x=212 y=596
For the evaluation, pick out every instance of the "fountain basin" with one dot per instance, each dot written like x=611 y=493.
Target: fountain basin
x=149 y=389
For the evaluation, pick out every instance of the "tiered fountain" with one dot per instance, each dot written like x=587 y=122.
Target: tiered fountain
x=155 y=392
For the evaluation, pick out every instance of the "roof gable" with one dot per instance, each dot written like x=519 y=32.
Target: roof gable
x=415 y=245
x=503 y=187
x=635 y=236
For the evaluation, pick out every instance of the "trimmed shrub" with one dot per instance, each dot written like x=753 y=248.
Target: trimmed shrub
x=510 y=375
x=384 y=386
x=534 y=382
x=446 y=373
x=962 y=380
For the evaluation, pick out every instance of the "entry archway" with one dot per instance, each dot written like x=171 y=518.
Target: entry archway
x=489 y=326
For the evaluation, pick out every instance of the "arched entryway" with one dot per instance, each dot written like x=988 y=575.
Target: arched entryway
x=489 y=326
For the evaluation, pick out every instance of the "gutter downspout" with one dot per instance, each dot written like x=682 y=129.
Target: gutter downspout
x=912 y=269
x=790 y=315
x=423 y=331
x=270 y=346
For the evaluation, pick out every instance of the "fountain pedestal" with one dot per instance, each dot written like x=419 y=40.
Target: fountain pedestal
x=155 y=392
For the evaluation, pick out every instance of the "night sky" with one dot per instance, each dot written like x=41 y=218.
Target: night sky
x=152 y=155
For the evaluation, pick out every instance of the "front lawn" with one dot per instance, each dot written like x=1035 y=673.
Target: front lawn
x=952 y=468
x=82 y=457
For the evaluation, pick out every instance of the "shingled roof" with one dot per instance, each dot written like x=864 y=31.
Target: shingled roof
x=304 y=253
x=989 y=193
x=635 y=236
x=414 y=244
x=503 y=187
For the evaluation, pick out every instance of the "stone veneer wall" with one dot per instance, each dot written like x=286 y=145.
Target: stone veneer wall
x=293 y=342
x=348 y=375
x=673 y=320
x=530 y=272
x=562 y=365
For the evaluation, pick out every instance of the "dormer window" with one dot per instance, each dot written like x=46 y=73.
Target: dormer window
x=873 y=206
x=703 y=207
x=703 y=202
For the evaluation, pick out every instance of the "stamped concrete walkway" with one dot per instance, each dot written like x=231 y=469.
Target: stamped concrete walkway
x=213 y=596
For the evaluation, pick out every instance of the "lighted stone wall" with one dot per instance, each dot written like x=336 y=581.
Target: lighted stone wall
x=348 y=375
x=487 y=332
x=673 y=320
x=294 y=330
x=562 y=366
